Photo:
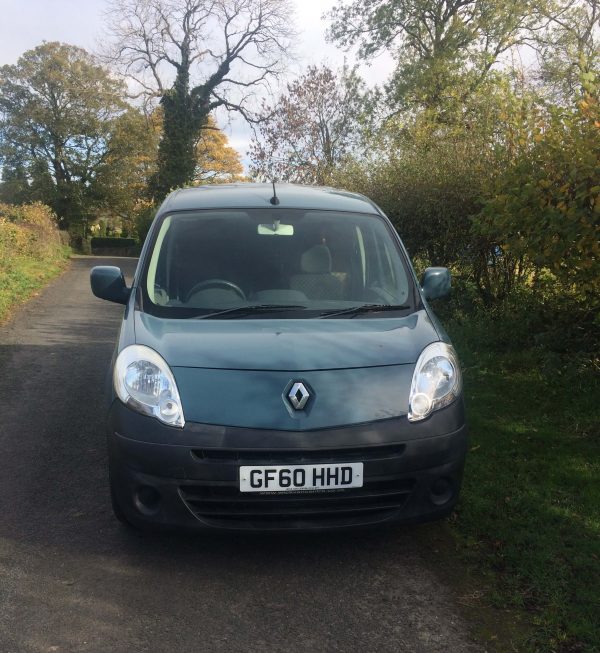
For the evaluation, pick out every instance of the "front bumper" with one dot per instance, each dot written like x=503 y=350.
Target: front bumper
x=190 y=477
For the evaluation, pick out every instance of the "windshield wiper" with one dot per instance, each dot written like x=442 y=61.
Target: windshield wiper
x=366 y=308
x=251 y=308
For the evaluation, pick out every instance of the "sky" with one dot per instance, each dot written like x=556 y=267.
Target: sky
x=26 y=23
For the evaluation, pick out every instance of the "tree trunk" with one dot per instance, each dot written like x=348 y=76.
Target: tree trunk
x=182 y=124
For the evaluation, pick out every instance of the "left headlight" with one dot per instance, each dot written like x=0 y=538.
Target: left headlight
x=144 y=382
x=436 y=381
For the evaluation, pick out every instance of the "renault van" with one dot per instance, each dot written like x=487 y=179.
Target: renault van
x=279 y=367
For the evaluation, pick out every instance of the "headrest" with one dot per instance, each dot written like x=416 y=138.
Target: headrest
x=316 y=260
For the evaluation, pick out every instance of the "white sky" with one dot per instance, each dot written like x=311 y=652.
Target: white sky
x=26 y=23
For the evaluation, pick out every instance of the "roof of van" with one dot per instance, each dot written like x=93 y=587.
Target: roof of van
x=250 y=195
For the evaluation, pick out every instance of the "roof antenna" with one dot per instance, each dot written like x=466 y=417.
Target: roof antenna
x=274 y=200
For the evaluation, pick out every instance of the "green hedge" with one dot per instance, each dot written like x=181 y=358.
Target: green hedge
x=121 y=243
x=28 y=230
x=32 y=252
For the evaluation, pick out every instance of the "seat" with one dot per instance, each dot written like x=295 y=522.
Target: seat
x=316 y=280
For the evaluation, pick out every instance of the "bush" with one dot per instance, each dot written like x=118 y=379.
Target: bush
x=37 y=214
x=542 y=318
x=28 y=230
x=428 y=189
x=546 y=206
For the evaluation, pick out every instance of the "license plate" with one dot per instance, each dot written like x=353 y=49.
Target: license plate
x=294 y=478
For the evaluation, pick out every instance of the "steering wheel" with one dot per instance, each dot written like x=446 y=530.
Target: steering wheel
x=214 y=283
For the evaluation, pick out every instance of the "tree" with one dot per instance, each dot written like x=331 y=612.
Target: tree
x=14 y=188
x=122 y=177
x=569 y=47
x=436 y=43
x=309 y=129
x=216 y=161
x=213 y=48
x=57 y=110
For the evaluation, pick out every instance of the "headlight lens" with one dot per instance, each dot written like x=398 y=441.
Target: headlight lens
x=144 y=382
x=436 y=381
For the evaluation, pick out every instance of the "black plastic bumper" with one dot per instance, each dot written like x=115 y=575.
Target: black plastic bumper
x=190 y=477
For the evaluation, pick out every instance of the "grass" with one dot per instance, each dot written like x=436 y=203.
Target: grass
x=529 y=517
x=22 y=276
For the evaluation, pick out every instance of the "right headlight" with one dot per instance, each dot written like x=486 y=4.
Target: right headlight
x=144 y=382
x=436 y=381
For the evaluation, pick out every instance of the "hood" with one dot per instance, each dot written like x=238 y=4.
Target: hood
x=286 y=344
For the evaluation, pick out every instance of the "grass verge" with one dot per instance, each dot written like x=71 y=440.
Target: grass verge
x=529 y=517
x=22 y=276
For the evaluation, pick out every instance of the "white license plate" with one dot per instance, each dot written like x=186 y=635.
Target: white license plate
x=294 y=478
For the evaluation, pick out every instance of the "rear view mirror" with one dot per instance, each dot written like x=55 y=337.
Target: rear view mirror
x=435 y=282
x=108 y=283
x=276 y=229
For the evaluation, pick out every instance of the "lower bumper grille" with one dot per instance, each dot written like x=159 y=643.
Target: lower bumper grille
x=226 y=505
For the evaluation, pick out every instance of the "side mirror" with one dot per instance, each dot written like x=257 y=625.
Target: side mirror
x=108 y=283
x=435 y=282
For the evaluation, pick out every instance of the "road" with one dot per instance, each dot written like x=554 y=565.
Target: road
x=73 y=579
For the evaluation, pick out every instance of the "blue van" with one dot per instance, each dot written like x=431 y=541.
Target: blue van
x=278 y=367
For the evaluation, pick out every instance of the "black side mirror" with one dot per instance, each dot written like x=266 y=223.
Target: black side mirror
x=108 y=283
x=435 y=282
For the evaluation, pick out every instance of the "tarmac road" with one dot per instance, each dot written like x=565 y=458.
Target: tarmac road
x=73 y=579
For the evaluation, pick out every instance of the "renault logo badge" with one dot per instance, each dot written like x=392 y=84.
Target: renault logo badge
x=298 y=395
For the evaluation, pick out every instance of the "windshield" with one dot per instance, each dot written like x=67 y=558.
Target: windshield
x=254 y=263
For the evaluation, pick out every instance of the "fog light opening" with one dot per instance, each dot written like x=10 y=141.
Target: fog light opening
x=441 y=491
x=147 y=499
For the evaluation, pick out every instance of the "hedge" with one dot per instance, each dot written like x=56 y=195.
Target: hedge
x=28 y=230
x=120 y=243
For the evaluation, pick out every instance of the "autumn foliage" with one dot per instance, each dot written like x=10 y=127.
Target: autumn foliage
x=546 y=206
x=28 y=230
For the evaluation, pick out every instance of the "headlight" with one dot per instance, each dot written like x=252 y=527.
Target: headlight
x=436 y=381
x=144 y=382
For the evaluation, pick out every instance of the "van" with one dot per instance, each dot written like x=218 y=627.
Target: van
x=278 y=367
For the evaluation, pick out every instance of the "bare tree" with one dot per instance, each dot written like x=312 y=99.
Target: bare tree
x=196 y=56
x=309 y=129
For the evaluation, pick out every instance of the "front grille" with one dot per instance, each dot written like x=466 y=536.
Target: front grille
x=295 y=457
x=225 y=505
